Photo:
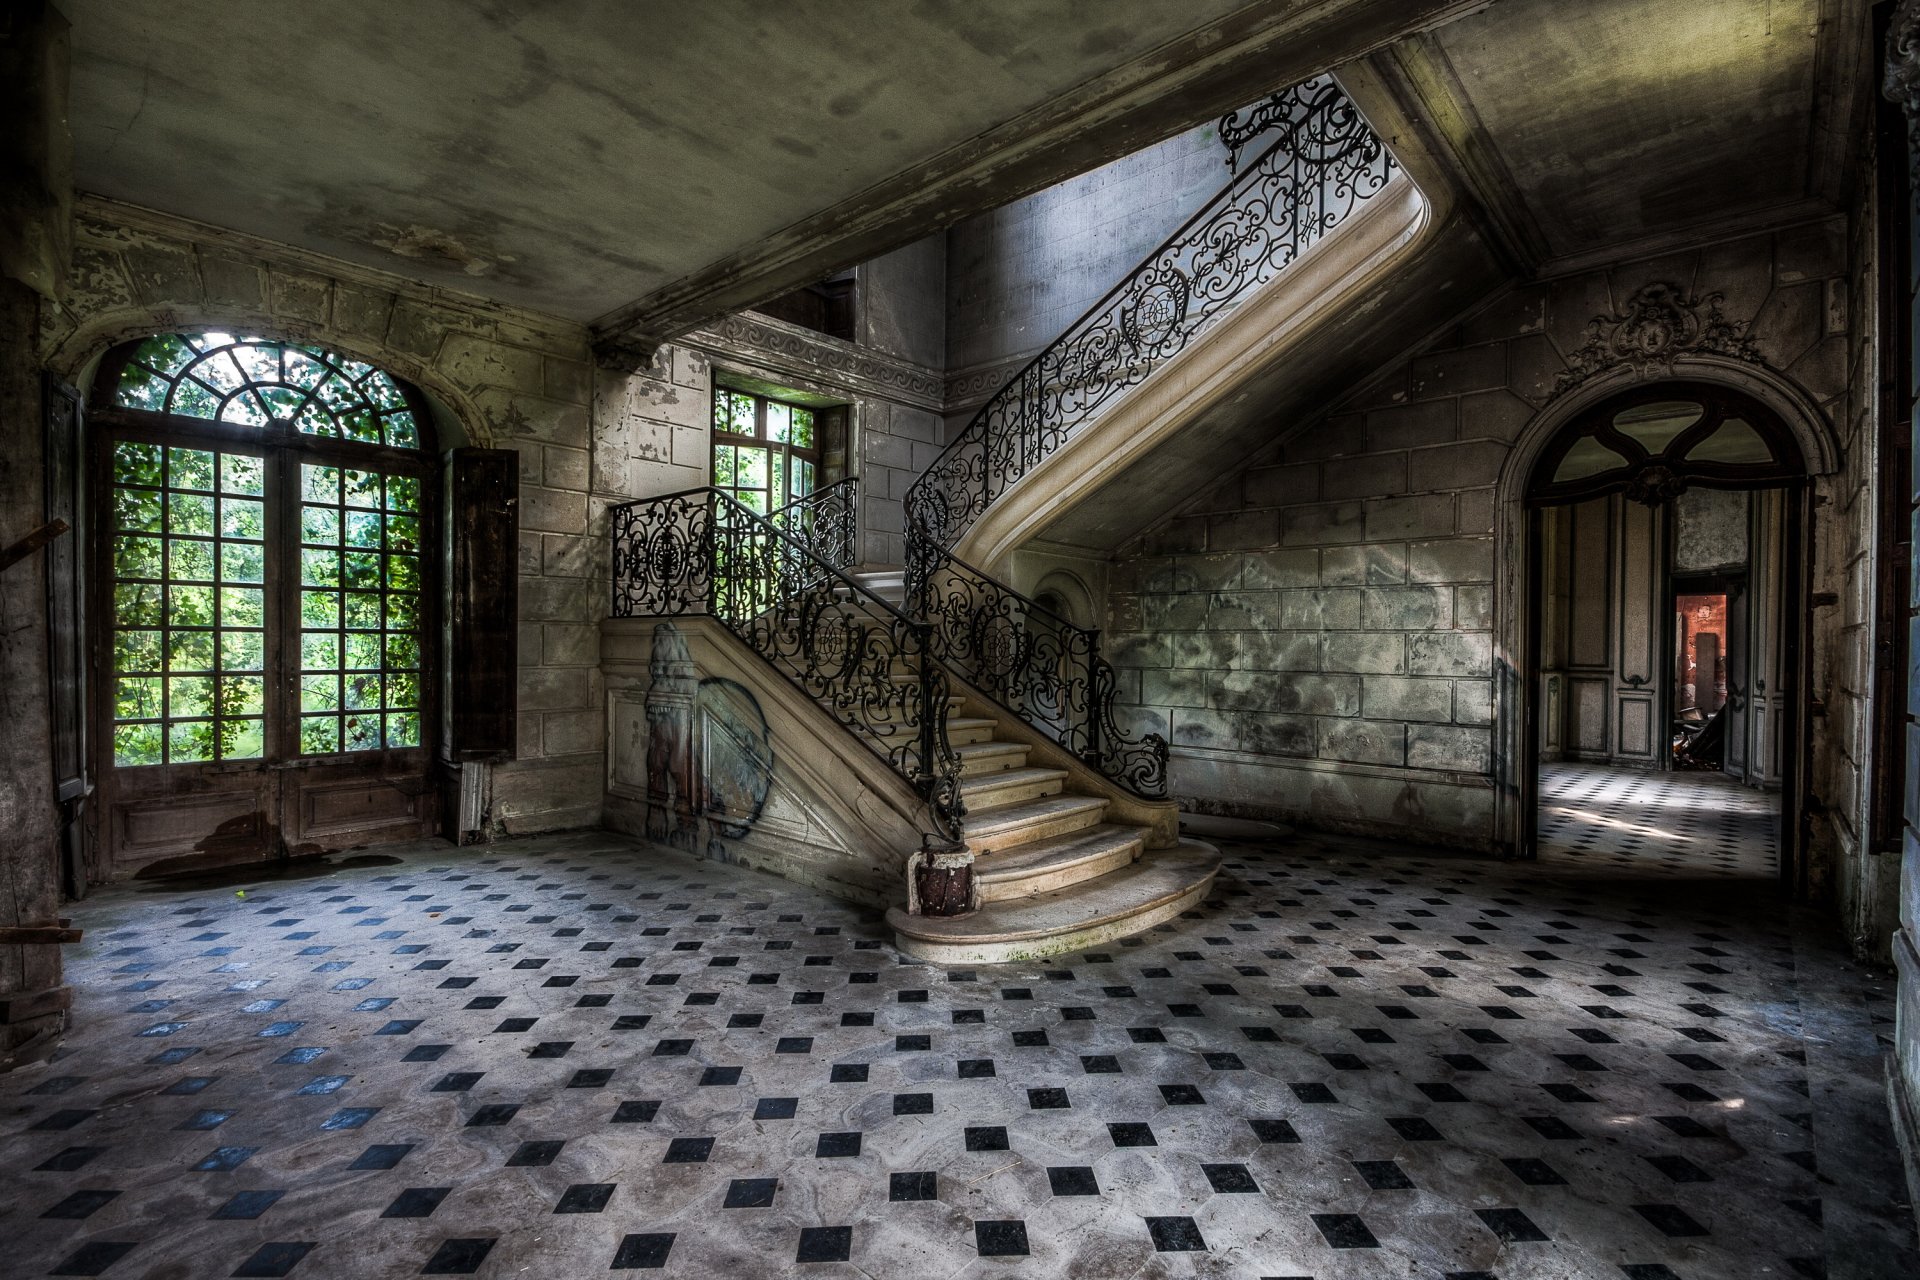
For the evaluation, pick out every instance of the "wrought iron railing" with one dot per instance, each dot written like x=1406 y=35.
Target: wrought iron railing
x=1031 y=661
x=1324 y=162
x=826 y=521
x=869 y=665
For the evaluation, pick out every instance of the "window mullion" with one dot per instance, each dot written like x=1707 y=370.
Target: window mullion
x=283 y=604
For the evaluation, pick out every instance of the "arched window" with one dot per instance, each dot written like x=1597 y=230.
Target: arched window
x=1655 y=441
x=264 y=523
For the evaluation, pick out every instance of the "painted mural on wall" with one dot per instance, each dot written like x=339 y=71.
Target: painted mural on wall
x=709 y=752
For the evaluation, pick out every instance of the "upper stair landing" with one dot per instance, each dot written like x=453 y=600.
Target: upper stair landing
x=1321 y=199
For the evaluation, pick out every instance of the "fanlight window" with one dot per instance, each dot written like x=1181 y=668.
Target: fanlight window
x=254 y=381
x=1655 y=442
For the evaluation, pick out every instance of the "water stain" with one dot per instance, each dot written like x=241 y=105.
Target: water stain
x=248 y=873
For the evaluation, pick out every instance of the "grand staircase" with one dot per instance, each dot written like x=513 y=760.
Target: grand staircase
x=1055 y=868
x=1046 y=827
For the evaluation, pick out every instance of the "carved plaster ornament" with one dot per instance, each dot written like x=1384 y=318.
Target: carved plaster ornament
x=1652 y=486
x=1659 y=324
x=1901 y=82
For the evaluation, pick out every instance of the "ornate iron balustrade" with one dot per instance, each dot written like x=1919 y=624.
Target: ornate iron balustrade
x=826 y=522
x=1324 y=164
x=1033 y=662
x=865 y=662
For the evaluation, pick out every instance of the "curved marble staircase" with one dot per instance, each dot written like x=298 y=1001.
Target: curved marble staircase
x=1051 y=873
x=1054 y=869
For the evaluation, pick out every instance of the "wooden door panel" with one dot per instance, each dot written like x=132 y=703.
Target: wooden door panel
x=331 y=807
x=164 y=830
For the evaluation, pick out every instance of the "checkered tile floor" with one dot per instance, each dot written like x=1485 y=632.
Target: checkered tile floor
x=569 y=1055
x=1689 y=823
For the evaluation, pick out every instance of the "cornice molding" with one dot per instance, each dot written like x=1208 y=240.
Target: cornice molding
x=101 y=217
x=974 y=385
x=776 y=345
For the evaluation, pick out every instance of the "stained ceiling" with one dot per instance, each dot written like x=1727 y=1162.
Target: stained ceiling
x=1608 y=122
x=576 y=155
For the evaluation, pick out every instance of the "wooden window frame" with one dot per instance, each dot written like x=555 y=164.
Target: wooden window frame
x=284 y=449
x=810 y=454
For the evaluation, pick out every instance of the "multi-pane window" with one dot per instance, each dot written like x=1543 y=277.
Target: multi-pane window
x=766 y=452
x=265 y=524
x=360 y=610
x=189 y=604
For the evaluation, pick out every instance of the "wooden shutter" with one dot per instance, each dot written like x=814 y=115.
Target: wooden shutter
x=483 y=603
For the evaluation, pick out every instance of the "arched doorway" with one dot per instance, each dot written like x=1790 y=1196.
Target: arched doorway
x=264 y=612
x=1664 y=630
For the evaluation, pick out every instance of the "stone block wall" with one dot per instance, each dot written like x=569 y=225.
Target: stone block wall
x=1315 y=634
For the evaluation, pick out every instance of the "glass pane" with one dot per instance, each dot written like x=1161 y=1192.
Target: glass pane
x=1654 y=426
x=253 y=381
x=1588 y=457
x=803 y=428
x=779 y=419
x=138 y=463
x=779 y=485
x=1735 y=442
x=188 y=589
x=802 y=477
x=739 y=413
x=752 y=468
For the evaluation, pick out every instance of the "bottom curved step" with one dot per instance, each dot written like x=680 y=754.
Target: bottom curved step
x=1151 y=891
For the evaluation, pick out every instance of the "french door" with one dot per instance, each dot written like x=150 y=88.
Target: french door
x=266 y=612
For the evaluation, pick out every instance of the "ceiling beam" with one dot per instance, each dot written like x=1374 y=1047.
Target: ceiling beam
x=1200 y=76
x=1433 y=96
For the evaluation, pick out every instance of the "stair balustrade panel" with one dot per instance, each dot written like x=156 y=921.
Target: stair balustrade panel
x=863 y=661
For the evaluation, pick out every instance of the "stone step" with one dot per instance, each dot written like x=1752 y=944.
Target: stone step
x=1151 y=891
x=980 y=758
x=1046 y=865
x=962 y=730
x=1012 y=786
x=1018 y=824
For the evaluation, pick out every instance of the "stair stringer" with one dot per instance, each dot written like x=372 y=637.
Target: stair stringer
x=1329 y=277
x=835 y=816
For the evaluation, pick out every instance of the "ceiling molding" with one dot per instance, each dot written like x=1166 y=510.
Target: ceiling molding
x=1200 y=76
x=777 y=347
x=1844 y=81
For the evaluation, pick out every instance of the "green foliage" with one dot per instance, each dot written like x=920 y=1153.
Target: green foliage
x=137 y=744
x=138 y=463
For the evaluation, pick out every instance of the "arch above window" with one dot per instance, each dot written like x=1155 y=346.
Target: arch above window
x=1655 y=441
x=247 y=381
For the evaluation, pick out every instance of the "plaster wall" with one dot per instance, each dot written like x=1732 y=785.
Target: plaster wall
x=900 y=300
x=1018 y=276
x=1316 y=633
